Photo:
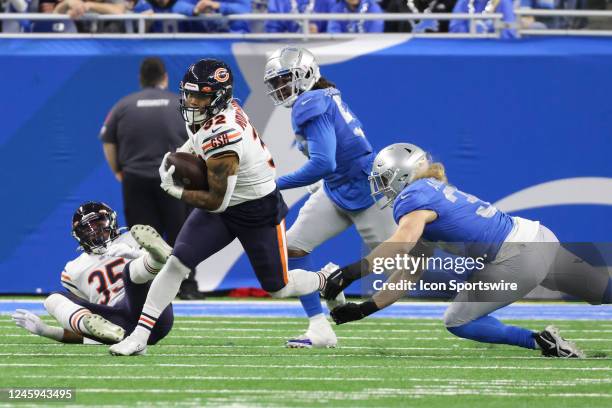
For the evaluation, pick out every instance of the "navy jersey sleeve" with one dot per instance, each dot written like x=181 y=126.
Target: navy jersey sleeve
x=310 y=105
x=417 y=196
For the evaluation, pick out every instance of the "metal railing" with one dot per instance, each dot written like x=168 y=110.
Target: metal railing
x=141 y=21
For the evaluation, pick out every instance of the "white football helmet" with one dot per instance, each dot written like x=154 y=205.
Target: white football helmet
x=289 y=72
x=394 y=168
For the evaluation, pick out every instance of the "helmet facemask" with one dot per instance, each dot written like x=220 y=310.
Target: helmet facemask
x=95 y=231
x=290 y=72
x=195 y=116
x=381 y=187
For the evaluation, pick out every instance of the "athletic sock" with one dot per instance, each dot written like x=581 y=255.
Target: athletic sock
x=67 y=313
x=161 y=293
x=488 y=329
x=142 y=270
x=311 y=302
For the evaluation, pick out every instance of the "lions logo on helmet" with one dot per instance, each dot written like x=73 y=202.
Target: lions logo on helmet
x=206 y=78
x=94 y=225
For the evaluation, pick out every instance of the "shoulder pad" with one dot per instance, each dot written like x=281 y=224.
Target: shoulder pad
x=310 y=104
x=416 y=196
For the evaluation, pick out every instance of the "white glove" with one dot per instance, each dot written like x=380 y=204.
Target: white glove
x=29 y=321
x=313 y=188
x=122 y=250
x=167 y=181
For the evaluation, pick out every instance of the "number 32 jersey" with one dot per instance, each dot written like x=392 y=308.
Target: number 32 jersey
x=462 y=218
x=97 y=278
x=231 y=131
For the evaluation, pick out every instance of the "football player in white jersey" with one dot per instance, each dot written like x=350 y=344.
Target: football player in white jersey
x=107 y=284
x=242 y=201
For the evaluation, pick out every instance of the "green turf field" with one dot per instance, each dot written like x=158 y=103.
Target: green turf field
x=230 y=362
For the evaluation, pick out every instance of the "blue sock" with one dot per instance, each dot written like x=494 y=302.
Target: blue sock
x=312 y=302
x=607 y=296
x=488 y=329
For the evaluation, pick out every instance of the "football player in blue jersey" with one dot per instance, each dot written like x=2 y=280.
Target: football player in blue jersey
x=516 y=250
x=331 y=137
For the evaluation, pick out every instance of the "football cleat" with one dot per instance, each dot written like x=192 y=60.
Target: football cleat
x=101 y=328
x=152 y=242
x=130 y=346
x=319 y=335
x=553 y=345
x=340 y=299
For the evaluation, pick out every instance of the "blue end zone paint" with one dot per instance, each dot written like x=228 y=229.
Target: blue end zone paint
x=527 y=311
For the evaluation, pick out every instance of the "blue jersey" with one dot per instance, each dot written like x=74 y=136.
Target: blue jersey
x=462 y=218
x=330 y=135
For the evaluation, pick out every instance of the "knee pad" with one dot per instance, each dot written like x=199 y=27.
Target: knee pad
x=174 y=265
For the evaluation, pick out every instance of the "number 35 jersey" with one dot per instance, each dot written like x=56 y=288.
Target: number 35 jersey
x=97 y=278
x=462 y=218
x=231 y=131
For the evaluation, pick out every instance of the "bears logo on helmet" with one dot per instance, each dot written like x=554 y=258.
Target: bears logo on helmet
x=207 y=78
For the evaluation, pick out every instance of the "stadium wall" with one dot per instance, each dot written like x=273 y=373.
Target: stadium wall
x=524 y=124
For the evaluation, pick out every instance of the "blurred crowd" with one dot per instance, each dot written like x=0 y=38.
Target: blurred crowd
x=76 y=9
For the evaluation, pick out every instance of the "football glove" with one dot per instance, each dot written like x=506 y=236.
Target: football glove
x=339 y=280
x=167 y=181
x=350 y=312
x=29 y=321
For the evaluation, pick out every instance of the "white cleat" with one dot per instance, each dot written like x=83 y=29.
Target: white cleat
x=152 y=242
x=128 y=347
x=320 y=335
x=553 y=345
x=340 y=299
x=101 y=328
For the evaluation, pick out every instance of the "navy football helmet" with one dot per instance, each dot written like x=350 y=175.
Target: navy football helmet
x=94 y=225
x=206 y=78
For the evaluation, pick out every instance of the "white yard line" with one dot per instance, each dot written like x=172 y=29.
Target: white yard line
x=316 y=367
x=275 y=356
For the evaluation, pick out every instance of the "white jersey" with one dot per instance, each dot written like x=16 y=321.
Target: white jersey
x=231 y=131
x=97 y=278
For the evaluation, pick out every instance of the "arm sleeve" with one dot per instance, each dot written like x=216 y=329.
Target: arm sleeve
x=322 y=150
x=274 y=26
x=375 y=26
x=234 y=7
x=183 y=7
x=459 y=26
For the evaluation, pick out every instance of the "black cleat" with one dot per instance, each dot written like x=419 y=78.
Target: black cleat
x=553 y=345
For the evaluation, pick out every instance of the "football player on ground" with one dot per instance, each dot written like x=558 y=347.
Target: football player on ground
x=107 y=284
x=518 y=250
x=331 y=136
x=242 y=201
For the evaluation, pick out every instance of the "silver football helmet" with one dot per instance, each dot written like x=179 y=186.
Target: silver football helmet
x=289 y=72
x=394 y=168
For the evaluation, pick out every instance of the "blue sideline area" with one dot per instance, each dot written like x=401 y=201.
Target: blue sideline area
x=407 y=310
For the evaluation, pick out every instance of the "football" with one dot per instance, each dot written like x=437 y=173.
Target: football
x=190 y=172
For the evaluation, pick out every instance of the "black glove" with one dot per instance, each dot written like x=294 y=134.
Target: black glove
x=342 y=278
x=350 y=312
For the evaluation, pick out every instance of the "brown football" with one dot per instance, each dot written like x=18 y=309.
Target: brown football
x=190 y=170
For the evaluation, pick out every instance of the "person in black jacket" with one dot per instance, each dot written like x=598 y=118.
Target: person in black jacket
x=417 y=6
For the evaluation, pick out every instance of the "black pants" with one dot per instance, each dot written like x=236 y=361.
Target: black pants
x=259 y=226
x=127 y=311
x=146 y=203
